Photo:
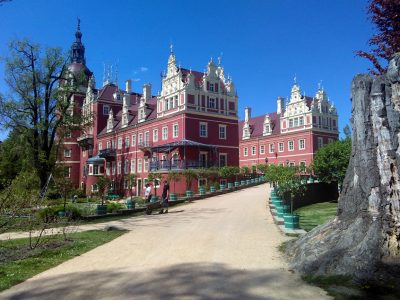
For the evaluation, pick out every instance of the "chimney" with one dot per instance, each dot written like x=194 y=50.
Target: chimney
x=147 y=91
x=280 y=103
x=247 y=114
x=128 y=86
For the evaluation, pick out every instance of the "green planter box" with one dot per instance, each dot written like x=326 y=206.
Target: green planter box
x=222 y=187
x=130 y=204
x=202 y=191
x=255 y=180
x=291 y=221
x=230 y=185
x=242 y=182
x=189 y=194
x=252 y=180
x=277 y=203
x=154 y=198
x=173 y=197
x=101 y=209
x=212 y=189
x=248 y=181
x=236 y=183
x=61 y=213
x=310 y=180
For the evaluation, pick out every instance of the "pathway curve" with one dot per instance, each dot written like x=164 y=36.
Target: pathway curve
x=224 y=247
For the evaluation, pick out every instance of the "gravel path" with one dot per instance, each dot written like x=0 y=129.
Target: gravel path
x=223 y=247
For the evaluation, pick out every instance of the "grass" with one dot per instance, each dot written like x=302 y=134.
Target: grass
x=316 y=214
x=19 y=263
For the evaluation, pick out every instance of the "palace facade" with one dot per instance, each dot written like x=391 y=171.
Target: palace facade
x=291 y=135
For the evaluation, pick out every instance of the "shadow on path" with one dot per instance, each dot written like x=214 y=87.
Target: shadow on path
x=183 y=281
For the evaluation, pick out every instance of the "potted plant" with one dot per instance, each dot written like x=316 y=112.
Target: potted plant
x=202 y=174
x=173 y=176
x=189 y=175
x=103 y=183
x=236 y=174
x=244 y=171
x=131 y=178
x=155 y=178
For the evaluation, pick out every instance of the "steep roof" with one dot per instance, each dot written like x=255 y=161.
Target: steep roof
x=257 y=124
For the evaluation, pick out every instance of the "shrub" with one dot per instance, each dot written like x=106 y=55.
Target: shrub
x=73 y=212
x=47 y=214
x=112 y=206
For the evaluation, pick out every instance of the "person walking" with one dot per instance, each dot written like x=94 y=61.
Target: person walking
x=147 y=193
x=165 y=198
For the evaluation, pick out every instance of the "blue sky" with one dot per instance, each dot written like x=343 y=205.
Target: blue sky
x=264 y=44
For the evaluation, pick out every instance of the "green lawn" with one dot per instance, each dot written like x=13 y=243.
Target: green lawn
x=18 y=263
x=316 y=214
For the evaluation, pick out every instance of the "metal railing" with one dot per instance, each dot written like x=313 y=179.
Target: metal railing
x=178 y=164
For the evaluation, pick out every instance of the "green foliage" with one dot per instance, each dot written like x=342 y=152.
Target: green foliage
x=23 y=263
x=112 y=206
x=331 y=161
x=228 y=171
x=262 y=168
x=103 y=183
x=245 y=170
x=189 y=175
x=155 y=178
x=173 y=176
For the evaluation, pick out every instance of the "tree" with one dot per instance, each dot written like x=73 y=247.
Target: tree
x=363 y=240
x=155 y=178
x=189 y=175
x=331 y=161
x=173 y=176
x=131 y=178
x=39 y=104
x=385 y=14
x=103 y=183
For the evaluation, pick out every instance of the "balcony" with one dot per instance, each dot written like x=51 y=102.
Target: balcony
x=85 y=140
x=165 y=165
x=107 y=153
x=145 y=145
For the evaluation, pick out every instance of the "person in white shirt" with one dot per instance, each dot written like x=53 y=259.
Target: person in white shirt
x=147 y=192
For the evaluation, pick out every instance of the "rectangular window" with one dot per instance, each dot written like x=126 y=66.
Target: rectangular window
x=203 y=129
x=290 y=145
x=175 y=131
x=139 y=165
x=211 y=103
x=222 y=132
x=245 y=151
x=133 y=166
x=95 y=169
x=166 y=104
x=281 y=147
x=223 y=159
x=133 y=139
x=302 y=166
x=330 y=140
x=126 y=167
x=108 y=145
x=106 y=110
x=120 y=143
x=165 y=133
x=176 y=101
x=127 y=142
x=262 y=149
x=126 y=184
x=320 y=142
x=291 y=164
x=67 y=172
x=302 y=144
x=100 y=146
x=155 y=135
x=147 y=138
x=95 y=188
x=119 y=167
x=67 y=152
x=146 y=165
x=113 y=144
x=113 y=168
x=140 y=140
x=301 y=121
x=108 y=168
x=253 y=150
x=271 y=148
x=290 y=123
x=296 y=122
x=211 y=87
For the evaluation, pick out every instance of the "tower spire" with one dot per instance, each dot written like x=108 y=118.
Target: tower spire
x=77 y=48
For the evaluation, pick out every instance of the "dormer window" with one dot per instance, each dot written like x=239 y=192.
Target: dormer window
x=246 y=133
x=211 y=87
x=267 y=129
x=106 y=110
x=211 y=103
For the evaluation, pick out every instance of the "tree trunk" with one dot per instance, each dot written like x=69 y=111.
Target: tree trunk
x=363 y=240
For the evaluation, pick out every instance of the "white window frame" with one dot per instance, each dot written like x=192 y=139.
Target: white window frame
x=271 y=148
x=320 y=142
x=108 y=166
x=211 y=87
x=145 y=165
x=133 y=139
x=108 y=145
x=139 y=165
x=155 y=135
x=290 y=145
x=245 y=151
x=175 y=130
x=119 y=145
x=133 y=166
x=223 y=136
x=100 y=146
x=205 y=134
x=281 y=147
x=67 y=153
x=127 y=142
x=219 y=159
x=95 y=188
x=262 y=149
x=164 y=133
x=140 y=139
x=126 y=166
x=253 y=150
x=211 y=103
x=113 y=168
x=302 y=144
x=119 y=167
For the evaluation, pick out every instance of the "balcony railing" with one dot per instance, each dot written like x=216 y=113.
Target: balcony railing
x=107 y=153
x=144 y=145
x=162 y=165
x=85 y=140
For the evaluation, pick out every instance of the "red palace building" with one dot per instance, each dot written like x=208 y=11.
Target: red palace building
x=292 y=134
x=192 y=123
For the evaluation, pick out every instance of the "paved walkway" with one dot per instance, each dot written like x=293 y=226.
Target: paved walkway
x=224 y=247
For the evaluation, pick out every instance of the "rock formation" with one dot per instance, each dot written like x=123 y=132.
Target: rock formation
x=364 y=239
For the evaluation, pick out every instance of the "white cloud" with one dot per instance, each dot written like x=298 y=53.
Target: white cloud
x=136 y=79
x=143 y=69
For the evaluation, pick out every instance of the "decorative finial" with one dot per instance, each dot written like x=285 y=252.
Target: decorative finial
x=220 y=59
x=295 y=79
x=190 y=70
x=79 y=24
x=320 y=85
x=171 y=47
